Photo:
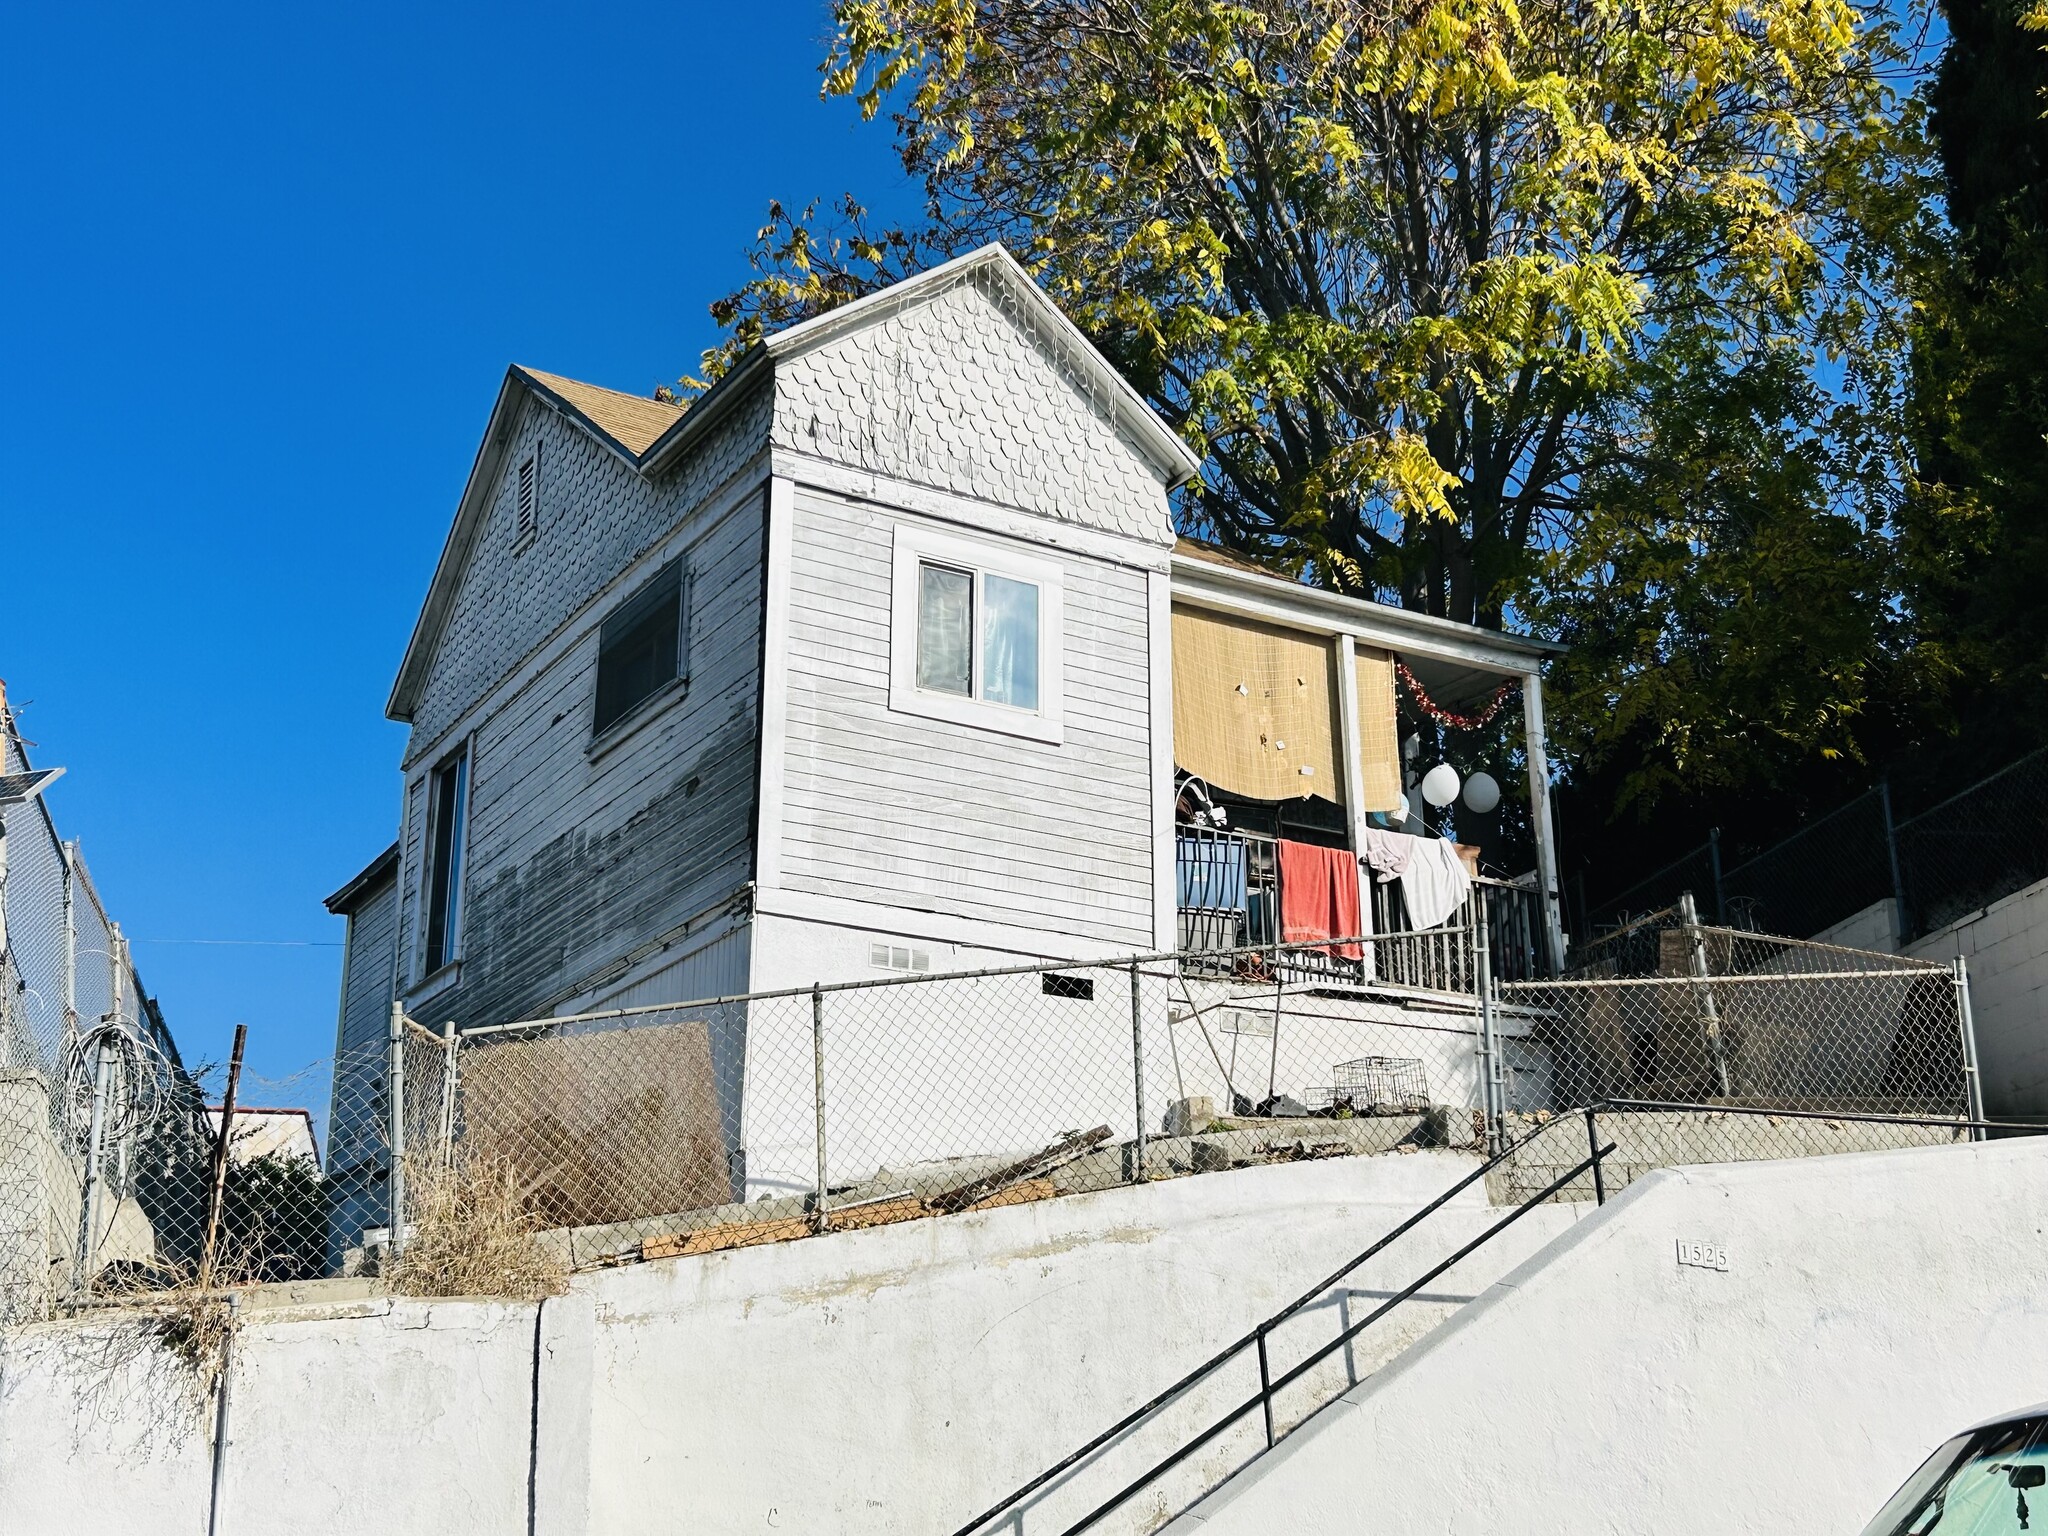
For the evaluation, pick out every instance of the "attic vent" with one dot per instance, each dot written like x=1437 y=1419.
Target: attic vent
x=529 y=499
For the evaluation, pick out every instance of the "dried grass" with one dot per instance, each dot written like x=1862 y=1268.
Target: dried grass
x=473 y=1233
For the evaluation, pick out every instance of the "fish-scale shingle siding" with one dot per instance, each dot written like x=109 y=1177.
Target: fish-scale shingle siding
x=597 y=516
x=967 y=394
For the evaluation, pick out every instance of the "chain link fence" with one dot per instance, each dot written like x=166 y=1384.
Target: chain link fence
x=102 y=1128
x=694 y=1127
x=1937 y=865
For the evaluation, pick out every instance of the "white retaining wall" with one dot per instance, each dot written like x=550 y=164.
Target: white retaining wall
x=1872 y=1305
x=2006 y=946
x=887 y=1381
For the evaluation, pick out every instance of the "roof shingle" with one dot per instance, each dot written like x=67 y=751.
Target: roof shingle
x=633 y=421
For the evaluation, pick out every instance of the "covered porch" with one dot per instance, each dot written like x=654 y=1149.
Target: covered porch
x=1315 y=805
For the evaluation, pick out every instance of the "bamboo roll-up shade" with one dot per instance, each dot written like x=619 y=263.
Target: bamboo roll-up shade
x=1255 y=707
x=1379 y=730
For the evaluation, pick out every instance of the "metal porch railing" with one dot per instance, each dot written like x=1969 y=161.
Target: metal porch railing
x=1229 y=896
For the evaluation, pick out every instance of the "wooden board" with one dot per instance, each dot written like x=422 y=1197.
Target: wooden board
x=781 y=1229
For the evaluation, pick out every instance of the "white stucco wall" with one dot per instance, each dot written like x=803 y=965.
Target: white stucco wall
x=2006 y=946
x=884 y=1381
x=1872 y=1306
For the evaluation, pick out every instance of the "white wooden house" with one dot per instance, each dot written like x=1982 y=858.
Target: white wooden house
x=862 y=664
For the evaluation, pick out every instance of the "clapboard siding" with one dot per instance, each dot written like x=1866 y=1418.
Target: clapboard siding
x=578 y=865
x=898 y=809
x=354 y=1141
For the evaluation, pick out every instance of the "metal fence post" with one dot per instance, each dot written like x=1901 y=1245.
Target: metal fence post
x=1138 y=1075
x=1973 y=1082
x=1710 y=1012
x=448 y=1048
x=1901 y=927
x=820 y=1219
x=95 y=1154
x=70 y=957
x=395 y=1081
x=1492 y=1100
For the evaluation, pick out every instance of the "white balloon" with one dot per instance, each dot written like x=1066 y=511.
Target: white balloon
x=1440 y=784
x=1482 y=793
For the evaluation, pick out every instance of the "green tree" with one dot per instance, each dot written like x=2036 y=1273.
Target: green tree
x=1414 y=276
x=1974 y=537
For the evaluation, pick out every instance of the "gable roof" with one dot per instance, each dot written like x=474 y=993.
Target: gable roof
x=632 y=422
x=1177 y=462
x=651 y=435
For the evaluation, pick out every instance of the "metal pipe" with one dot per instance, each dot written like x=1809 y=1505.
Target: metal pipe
x=1710 y=1012
x=1490 y=1095
x=217 y=1185
x=221 y=1393
x=1973 y=1081
x=448 y=1094
x=1231 y=1350
x=395 y=1081
x=1094 y=1516
x=1138 y=1075
x=1900 y=926
x=1593 y=1143
x=95 y=1154
x=1266 y=1388
x=70 y=957
x=820 y=1219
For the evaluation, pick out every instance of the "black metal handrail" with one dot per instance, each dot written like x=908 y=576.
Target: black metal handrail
x=1256 y=1338
x=1270 y=1386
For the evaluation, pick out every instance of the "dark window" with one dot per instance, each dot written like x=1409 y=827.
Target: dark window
x=641 y=647
x=1081 y=987
x=447 y=808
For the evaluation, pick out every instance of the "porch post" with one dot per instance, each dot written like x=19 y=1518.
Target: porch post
x=1351 y=764
x=1541 y=818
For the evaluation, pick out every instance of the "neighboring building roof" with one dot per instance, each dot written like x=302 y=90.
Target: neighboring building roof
x=1195 y=549
x=634 y=422
x=268 y=1133
x=374 y=874
x=650 y=434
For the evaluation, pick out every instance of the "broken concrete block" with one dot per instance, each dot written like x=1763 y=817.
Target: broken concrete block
x=1187 y=1117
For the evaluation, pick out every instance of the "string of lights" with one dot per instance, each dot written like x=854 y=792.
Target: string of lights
x=1450 y=717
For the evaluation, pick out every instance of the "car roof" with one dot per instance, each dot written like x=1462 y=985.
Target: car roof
x=2038 y=1411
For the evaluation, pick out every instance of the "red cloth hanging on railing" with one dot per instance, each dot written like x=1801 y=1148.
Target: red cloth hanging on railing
x=1319 y=897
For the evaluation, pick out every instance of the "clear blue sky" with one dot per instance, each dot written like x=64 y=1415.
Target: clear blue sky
x=263 y=270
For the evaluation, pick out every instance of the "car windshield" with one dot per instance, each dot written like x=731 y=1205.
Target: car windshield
x=1985 y=1483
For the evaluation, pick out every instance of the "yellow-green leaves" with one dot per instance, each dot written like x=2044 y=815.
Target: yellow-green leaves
x=1400 y=267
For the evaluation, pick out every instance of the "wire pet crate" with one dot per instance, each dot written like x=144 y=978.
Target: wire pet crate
x=1375 y=1085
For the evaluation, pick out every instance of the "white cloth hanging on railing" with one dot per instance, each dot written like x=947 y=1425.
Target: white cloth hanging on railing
x=1434 y=882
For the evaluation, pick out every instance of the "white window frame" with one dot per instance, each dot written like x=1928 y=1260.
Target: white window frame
x=451 y=945
x=913 y=547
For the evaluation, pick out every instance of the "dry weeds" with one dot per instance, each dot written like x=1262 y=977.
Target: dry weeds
x=474 y=1233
